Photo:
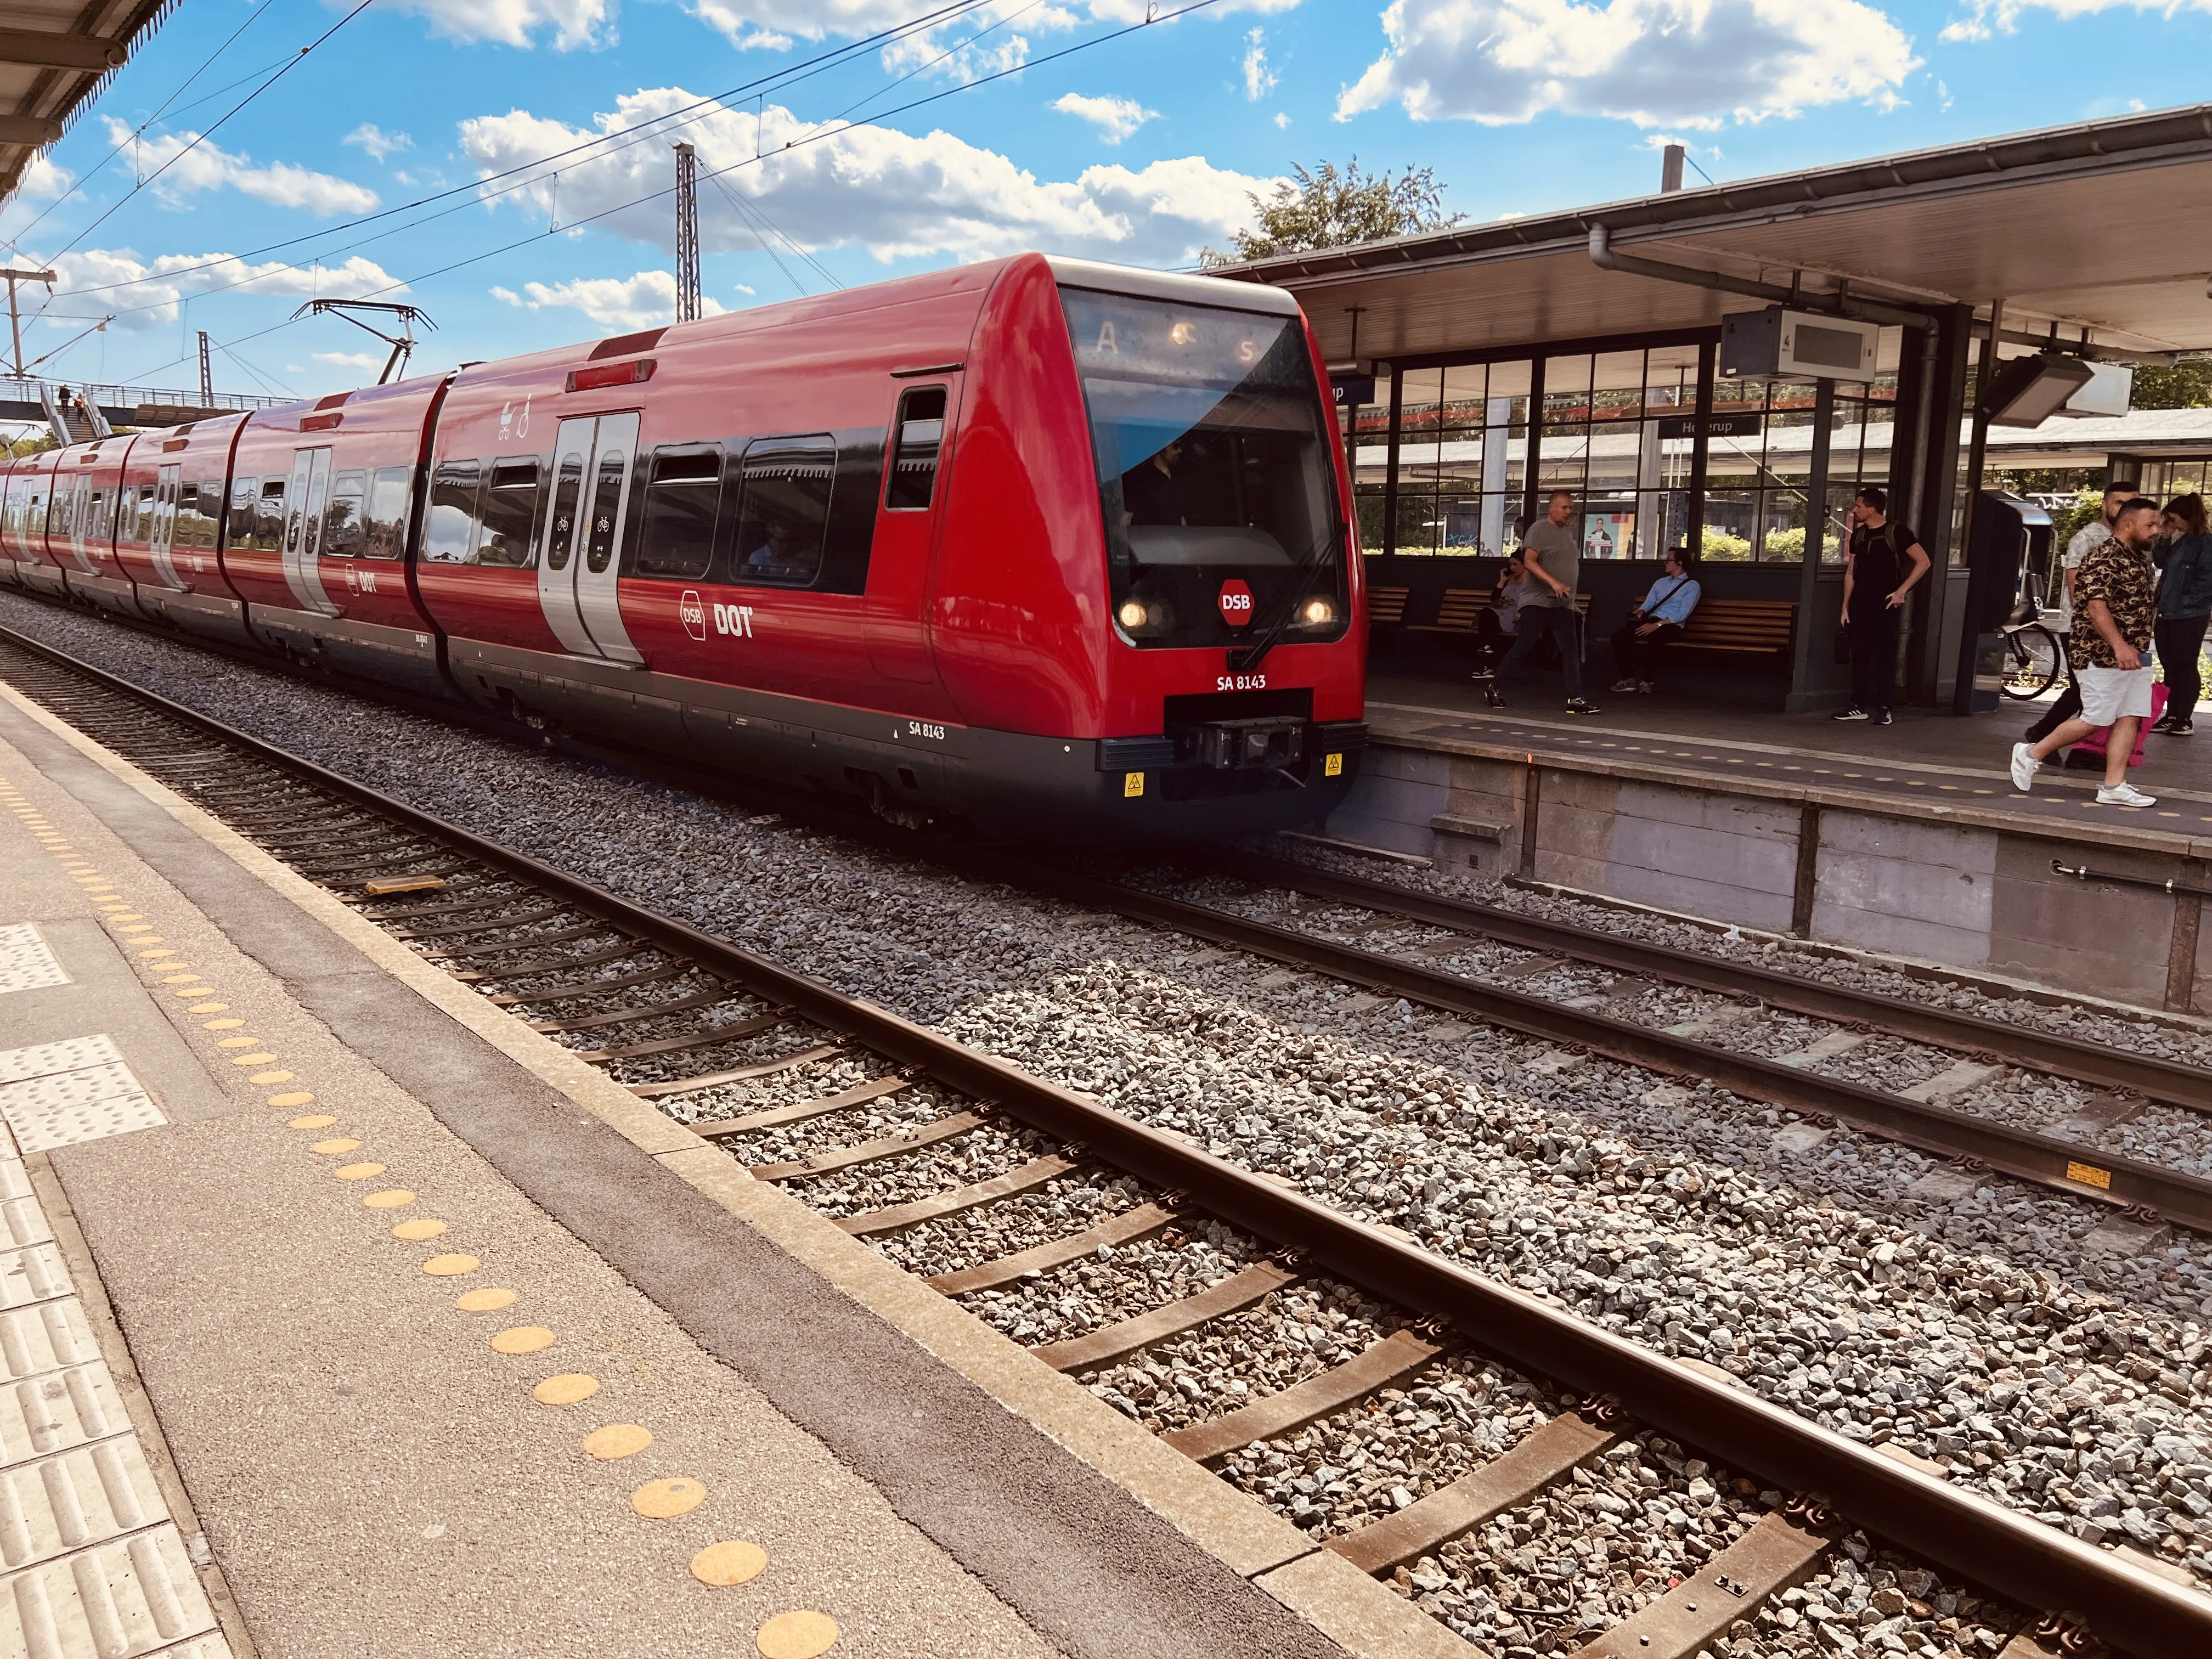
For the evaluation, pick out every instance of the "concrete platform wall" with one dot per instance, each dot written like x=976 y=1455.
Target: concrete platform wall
x=1963 y=894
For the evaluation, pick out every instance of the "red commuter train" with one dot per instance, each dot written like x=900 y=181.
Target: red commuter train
x=1037 y=545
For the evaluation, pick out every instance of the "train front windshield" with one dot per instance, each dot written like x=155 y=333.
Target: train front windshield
x=1215 y=474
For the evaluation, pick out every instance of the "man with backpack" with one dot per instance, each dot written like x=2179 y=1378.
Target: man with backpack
x=1880 y=565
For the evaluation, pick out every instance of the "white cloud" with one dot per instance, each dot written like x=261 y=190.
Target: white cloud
x=1687 y=63
x=1114 y=118
x=1986 y=18
x=44 y=180
x=897 y=194
x=145 y=293
x=573 y=23
x=208 y=165
x=775 y=24
x=615 y=303
x=1259 y=79
x=348 y=359
x=376 y=141
x=1282 y=121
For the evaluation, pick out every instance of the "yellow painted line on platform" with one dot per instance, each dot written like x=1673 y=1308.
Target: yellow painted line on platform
x=797 y=1635
x=617 y=1441
x=664 y=1500
x=733 y=1561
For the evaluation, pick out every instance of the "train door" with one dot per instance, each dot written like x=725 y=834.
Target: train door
x=161 y=540
x=905 y=535
x=80 y=520
x=594 y=459
x=303 y=530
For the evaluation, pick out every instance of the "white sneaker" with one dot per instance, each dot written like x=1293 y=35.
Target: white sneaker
x=2024 y=766
x=2124 y=794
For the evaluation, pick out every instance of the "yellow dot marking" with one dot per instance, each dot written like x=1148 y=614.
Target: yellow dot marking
x=565 y=1389
x=797 y=1635
x=252 y=1059
x=230 y=1023
x=420 y=1228
x=238 y=1042
x=451 y=1267
x=320 y=1120
x=618 y=1440
x=395 y=1198
x=733 y=1561
x=358 y=1171
x=265 y=1078
x=332 y=1148
x=208 y=1008
x=664 y=1500
x=165 y=950
x=487 y=1300
x=295 y=1097
x=522 y=1338
x=195 y=991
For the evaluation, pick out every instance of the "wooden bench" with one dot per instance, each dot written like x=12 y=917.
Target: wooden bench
x=1739 y=626
x=1386 y=606
x=1462 y=608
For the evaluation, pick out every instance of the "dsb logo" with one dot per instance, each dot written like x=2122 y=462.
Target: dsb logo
x=736 y=619
x=1236 y=603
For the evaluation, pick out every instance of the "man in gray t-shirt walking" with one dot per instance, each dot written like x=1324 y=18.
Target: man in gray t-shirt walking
x=1548 y=605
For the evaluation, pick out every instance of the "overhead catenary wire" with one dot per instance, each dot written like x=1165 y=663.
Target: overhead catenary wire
x=610 y=144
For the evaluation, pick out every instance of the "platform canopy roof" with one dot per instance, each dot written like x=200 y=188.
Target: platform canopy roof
x=2099 y=226
x=55 y=56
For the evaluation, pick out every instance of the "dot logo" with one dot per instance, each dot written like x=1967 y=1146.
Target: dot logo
x=1236 y=603
x=693 y=611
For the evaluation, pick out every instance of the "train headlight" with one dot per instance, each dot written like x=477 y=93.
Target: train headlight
x=1317 y=612
x=1133 y=615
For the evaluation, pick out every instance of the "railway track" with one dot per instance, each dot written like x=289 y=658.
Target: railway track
x=1132 y=1241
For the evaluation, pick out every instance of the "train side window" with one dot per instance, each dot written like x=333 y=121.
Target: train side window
x=510 y=514
x=681 y=502
x=138 y=512
x=387 y=513
x=96 y=528
x=914 y=457
x=345 y=527
x=452 y=518
x=268 y=531
x=783 y=512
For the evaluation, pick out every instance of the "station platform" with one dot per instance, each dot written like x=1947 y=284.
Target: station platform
x=341 y=1314
x=1908 y=839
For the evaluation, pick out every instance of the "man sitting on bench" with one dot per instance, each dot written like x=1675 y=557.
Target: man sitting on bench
x=1655 y=622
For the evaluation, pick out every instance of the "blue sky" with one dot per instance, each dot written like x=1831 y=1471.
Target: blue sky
x=1141 y=147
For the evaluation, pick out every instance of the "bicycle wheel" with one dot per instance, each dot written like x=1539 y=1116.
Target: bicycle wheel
x=2034 y=661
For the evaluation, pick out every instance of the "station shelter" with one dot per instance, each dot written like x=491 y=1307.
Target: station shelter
x=1481 y=366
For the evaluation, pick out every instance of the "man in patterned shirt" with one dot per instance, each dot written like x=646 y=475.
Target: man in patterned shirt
x=2115 y=607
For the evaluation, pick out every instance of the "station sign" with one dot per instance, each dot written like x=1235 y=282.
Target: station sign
x=1352 y=390
x=1716 y=426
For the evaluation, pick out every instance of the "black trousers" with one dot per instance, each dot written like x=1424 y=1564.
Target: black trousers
x=2179 y=639
x=1874 y=653
x=1637 y=657
x=1538 y=624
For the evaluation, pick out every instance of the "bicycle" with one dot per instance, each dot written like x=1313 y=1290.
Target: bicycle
x=2035 y=661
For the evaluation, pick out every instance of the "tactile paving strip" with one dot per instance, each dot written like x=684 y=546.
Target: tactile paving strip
x=57 y=1094
x=26 y=961
x=130 y=1599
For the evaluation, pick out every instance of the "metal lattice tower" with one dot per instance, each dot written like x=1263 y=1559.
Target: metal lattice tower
x=687 y=235
x=207 y=374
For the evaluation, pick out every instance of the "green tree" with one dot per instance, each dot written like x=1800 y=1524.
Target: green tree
x=2187 y=384
x=1327 y=208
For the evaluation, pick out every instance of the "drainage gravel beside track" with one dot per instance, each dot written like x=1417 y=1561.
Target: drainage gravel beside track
x=1970 y=1327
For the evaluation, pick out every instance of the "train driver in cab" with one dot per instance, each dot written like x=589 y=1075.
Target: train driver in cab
x=1152 y=492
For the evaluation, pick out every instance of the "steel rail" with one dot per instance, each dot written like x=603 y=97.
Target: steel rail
x=2135 y=1611
x=2170 y=1081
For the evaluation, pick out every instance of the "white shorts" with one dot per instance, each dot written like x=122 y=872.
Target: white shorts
x=2115 y=694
